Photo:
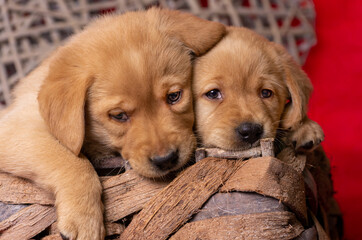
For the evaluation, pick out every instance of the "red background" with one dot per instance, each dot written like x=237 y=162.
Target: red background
x=335 y=68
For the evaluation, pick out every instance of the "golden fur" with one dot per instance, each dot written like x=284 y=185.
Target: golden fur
x=106 y=92
x=238 y=68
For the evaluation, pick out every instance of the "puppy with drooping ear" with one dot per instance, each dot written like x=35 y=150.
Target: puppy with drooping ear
x=247 y=88
x=122 y=86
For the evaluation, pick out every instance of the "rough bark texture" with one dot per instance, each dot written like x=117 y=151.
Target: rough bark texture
x=289 y=156
x=236 y=203
x=220 y=153
x=271 y=177
x=27 y=223
x=123 y=194
x=175 y=204
x=6 y=210
x=275 y=225
x=267 y=147
x=21 y=191
x=127 y=193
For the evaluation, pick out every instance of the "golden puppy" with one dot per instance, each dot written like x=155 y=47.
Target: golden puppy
x=247 y=88
x=122 y=86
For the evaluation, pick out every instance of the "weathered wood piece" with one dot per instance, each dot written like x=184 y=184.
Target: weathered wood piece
x=27 y=223
x=289 y=156
x=271 y=177
x=176 y=203
x=220 y=153
x=17 y=190
x=274 y=225
x=6 y=210
x=123 y=194
x=237 y=203
x=266 y=149
x=127 y=193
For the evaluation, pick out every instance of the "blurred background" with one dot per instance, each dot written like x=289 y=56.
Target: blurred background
x=325 y=36
x=335 y=68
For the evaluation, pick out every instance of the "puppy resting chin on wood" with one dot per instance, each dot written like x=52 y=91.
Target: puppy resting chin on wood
x=122 y=86
x=247 y=88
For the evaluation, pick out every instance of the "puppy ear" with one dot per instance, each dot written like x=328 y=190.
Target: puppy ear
x=197 y=34
x=62 y=98
x=299 y=87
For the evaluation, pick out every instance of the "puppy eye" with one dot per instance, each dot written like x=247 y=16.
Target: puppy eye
x=214 y=94
x=266 y=93
x=121 y=117
x=174 y=97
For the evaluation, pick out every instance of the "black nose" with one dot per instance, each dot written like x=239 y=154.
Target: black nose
x=166 y=162
x=249 y=132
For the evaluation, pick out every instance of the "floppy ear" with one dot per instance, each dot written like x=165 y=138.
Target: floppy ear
x=299 y=87
x=197 y=34
x=62 y=97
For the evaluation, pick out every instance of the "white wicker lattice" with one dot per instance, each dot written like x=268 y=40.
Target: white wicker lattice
x=31 y=29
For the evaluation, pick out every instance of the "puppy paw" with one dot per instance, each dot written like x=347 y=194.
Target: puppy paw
x=80 y=225
x=80 y=216
x=307 y=136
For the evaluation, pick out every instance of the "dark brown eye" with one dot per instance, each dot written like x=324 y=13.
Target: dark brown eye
x=214 y=94
x=121 y=117
x=266 y=93
x=174 y=97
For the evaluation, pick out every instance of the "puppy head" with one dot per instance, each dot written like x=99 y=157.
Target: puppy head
x=124 y=86
x=245 y=89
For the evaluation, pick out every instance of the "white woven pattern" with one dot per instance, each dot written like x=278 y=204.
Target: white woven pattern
x=31 y=29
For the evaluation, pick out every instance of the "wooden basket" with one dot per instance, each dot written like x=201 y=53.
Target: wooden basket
x=31 y=29
x=289 y=197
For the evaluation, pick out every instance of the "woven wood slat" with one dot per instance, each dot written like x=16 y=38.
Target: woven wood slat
x=31 y=29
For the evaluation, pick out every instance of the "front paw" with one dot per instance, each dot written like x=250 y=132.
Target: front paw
x=307 y=136
x=81 y=218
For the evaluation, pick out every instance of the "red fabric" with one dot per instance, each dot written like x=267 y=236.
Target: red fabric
x=335 y=68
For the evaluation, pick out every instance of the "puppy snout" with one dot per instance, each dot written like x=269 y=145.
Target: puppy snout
x=167 y=161
x=249 y=132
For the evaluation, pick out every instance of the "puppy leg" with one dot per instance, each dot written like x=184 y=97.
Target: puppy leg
x=28 y=150
x=307 y=136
